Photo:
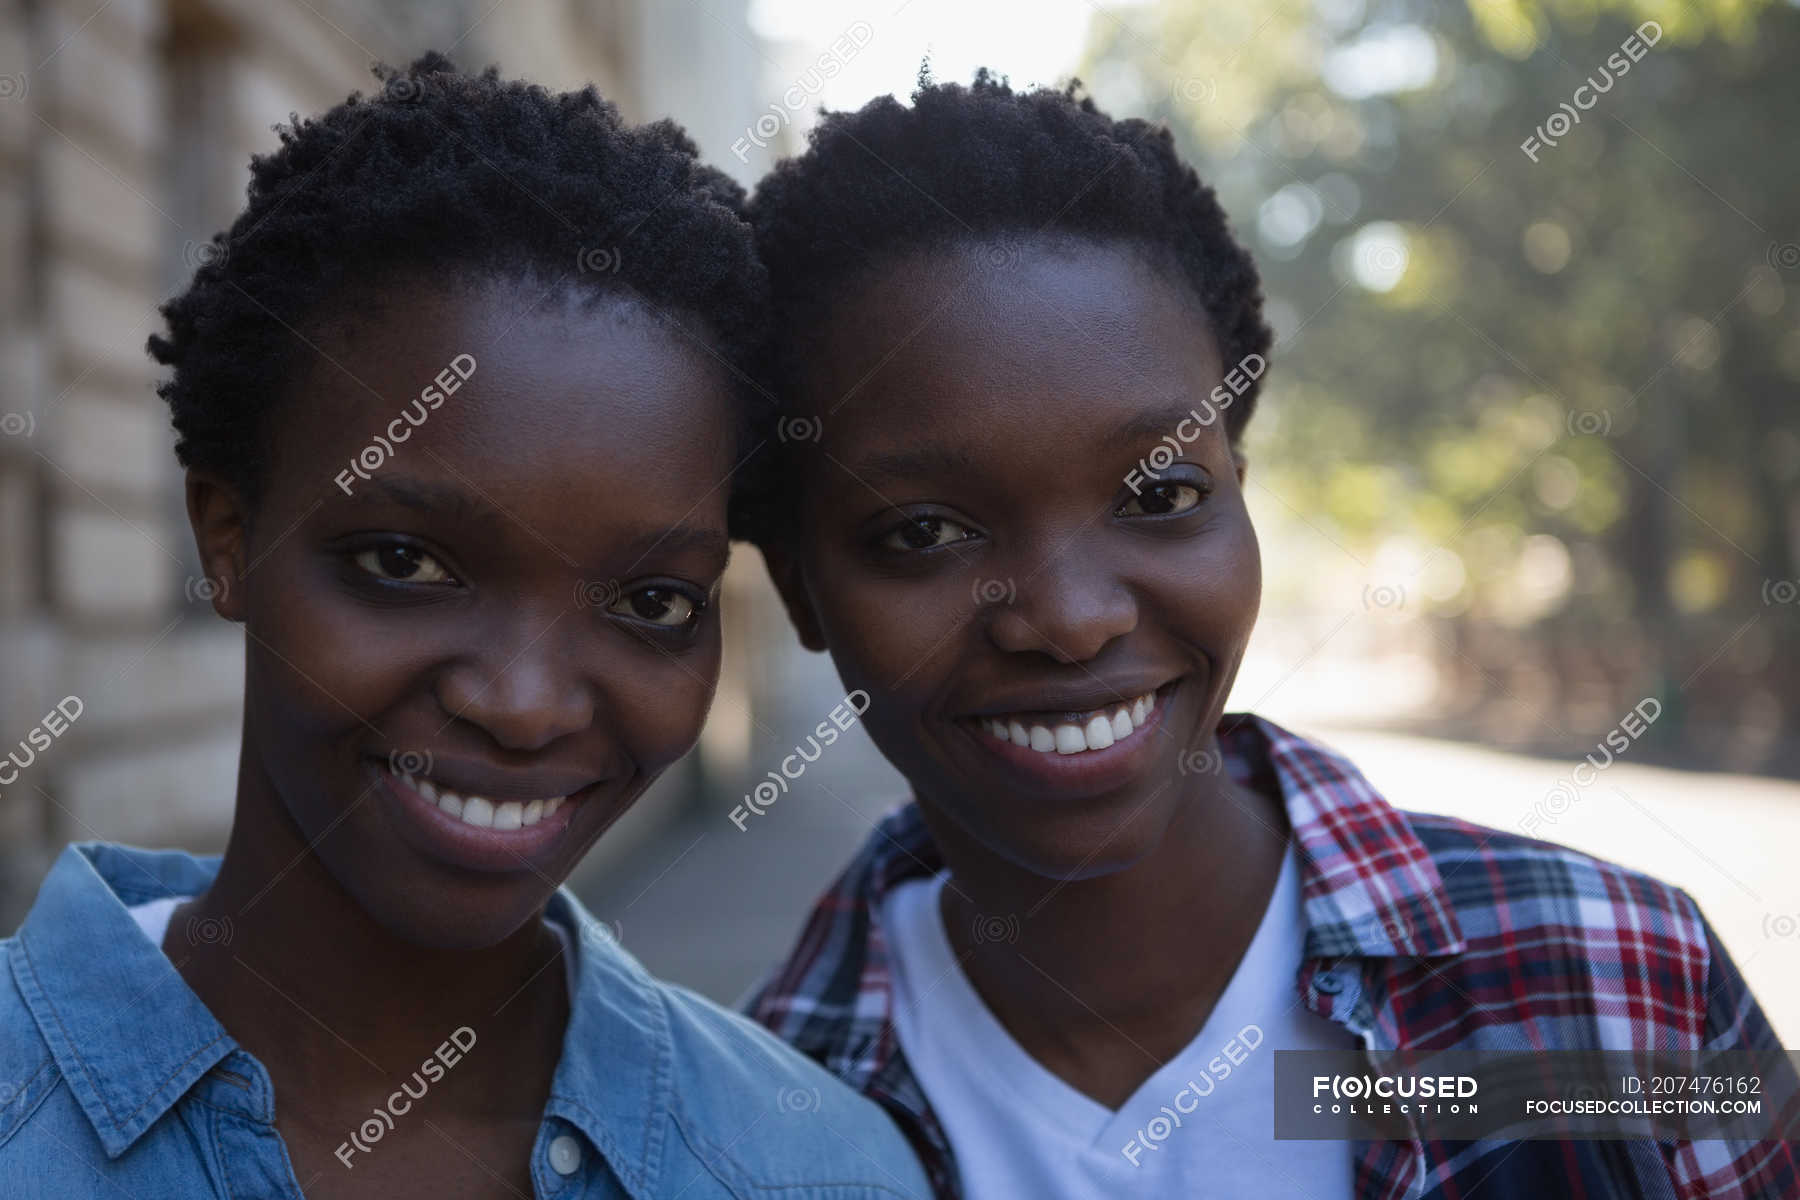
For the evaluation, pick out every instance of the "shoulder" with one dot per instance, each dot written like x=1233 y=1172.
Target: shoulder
x=29 y=1077
x=1500 y=881
x=772 y=1115
x=1562 y=948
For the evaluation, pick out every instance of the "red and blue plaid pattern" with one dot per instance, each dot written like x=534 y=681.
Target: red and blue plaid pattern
x=1424 y=933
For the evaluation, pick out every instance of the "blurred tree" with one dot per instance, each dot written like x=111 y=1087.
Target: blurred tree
x=1534 y=268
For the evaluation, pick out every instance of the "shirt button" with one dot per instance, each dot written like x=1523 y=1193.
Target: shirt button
x=1328 y=983
x=565 y=1154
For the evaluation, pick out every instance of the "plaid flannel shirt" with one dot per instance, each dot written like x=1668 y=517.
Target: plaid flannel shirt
x=1423 y=933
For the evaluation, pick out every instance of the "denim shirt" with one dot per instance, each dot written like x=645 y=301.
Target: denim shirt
x=116 y=1080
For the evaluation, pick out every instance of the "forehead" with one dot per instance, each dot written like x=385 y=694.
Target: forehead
x=534 y=397
x=1000 y=341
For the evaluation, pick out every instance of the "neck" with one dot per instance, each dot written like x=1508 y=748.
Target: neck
x=336 y=1007
x=1105 y=979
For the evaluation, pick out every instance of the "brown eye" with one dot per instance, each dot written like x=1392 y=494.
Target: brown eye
x=924 y=533
x=402 y=563
x=1160 y=499
x=661 y=606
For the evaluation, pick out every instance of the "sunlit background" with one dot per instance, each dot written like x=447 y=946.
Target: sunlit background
x=1527 y=456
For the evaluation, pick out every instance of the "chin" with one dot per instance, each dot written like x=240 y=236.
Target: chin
x=427 y=918
x=1087 y=844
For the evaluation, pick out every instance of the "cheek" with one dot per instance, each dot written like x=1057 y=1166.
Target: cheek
x=892 y=637
x=658 y=702
x=1214 y=589
x=322 y=661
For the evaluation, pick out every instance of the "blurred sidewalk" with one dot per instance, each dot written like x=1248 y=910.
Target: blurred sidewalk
x=703 y=904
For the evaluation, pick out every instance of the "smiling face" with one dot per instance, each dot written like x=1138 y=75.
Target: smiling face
x=972 y=554
x=514 y=608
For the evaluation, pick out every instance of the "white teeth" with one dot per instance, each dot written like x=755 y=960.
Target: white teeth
x=480 y=811
x=1097 y=732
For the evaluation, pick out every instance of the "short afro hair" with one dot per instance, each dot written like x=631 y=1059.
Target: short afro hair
x=459 y=175
x=962 y=162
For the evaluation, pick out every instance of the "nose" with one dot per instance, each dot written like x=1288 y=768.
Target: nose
x=1069 y=611
x=525 y=690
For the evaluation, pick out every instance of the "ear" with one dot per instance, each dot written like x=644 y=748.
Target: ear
x=221 y=524
x=784 y=570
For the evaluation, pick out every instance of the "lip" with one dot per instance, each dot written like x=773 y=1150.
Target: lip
x=1071 y=776
x=436 y=834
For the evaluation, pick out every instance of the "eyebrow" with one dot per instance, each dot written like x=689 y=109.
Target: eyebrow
x=915 y=462
x=934 y=460
x=640 y=541
x=426 y=496
x=1155 y=422
x=676 y=539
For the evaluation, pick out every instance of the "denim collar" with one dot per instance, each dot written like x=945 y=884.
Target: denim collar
x=131 y=1038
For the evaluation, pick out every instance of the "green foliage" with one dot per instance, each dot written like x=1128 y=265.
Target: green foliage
x=1498 y=335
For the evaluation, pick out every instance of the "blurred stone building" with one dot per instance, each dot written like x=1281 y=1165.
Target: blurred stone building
x=126 y=128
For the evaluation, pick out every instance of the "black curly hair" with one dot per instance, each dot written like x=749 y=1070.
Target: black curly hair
x=463 y=176
x=966 y=163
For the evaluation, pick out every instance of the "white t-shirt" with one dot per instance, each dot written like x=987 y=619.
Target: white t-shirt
x=153 y=916
x=1018 y=1130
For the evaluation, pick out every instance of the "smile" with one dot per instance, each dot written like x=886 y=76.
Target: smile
x=1071 y=733
x=480 y=811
